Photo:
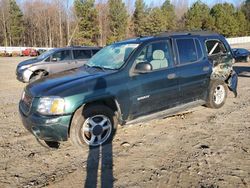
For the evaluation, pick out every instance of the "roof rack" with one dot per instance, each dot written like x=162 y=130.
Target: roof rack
x=194 y=32
x=78 y=46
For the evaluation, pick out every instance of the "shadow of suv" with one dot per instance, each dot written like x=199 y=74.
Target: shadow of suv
x=128 y=82
x=54 y=61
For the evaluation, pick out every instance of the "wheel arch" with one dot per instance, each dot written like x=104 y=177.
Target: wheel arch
x=37 y=71
x=110 y=102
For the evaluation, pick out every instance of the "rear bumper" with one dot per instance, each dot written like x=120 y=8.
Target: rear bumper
x=49 y=128
x=233 y=83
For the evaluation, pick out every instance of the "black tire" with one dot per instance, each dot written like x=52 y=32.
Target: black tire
x=81 y=120
x=217 y=86
x=37 y=75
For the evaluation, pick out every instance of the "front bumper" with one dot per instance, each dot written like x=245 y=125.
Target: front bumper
x=23 y=75
x=49 y=128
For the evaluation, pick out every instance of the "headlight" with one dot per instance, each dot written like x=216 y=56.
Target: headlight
x=24 y=67
x=51 y=105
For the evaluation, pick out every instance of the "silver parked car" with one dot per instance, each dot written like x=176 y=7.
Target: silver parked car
x=54 y=61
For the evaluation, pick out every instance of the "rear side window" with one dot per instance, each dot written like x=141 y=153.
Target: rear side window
x=62 y=55
x=215 y=47
x=82 y=54
x=187 y=50
x=198 y=48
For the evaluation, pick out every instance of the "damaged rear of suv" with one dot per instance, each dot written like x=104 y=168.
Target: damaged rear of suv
x=129 y=82
x=222 y=60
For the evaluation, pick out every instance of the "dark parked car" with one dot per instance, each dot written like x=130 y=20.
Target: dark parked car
x=241 y=55
x=128 y=82
x=41 y=51
x=54 y=61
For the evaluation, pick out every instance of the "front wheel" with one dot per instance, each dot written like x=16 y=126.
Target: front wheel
x=93 y=126
x=217 y=94
x=37 y=75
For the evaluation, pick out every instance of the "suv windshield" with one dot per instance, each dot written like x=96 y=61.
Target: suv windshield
x=113 y=56
x=46 y=54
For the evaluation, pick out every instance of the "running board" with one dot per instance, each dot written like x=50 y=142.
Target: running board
x=167 y=113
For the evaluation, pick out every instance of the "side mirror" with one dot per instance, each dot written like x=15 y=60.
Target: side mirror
x=54 y=59
x=143 y=67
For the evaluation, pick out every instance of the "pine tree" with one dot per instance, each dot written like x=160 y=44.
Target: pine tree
x=225 y=21
x=118 y=21
x=168 y=12
x=242 y=23
x=139 y=17
x=16 y=27
x=198 y=17
x=155 y=22
x=87 y=22
x=246 y=10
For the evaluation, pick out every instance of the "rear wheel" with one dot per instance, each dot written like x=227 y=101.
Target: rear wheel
x=93 y=126
x=217 y=94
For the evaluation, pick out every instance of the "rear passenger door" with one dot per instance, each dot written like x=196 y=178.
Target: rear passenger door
x=193 y=68
x=81 y=56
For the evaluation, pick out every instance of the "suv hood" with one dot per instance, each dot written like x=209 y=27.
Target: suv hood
x=66 y=83
x=29 y=62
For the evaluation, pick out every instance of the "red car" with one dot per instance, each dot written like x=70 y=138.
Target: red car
x=29 y=52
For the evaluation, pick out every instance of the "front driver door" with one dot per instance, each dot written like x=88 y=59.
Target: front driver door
x=61 y=61
x=156 y=90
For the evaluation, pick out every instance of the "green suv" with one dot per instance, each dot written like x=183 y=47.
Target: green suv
x=128 y=82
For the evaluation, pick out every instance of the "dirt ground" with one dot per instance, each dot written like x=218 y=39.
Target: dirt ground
x=204 y=147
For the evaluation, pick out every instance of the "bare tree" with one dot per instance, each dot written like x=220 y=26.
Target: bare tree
x=4 y=8
x=181 y=7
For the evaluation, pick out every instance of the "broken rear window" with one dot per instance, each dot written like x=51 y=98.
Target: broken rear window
x=215 y=47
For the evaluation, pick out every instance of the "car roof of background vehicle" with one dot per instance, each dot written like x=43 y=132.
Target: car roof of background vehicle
x=79 y=48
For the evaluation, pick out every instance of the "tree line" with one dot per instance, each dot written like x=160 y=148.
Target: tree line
x=57 y=23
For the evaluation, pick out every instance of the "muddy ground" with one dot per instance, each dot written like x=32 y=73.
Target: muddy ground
x=201 y=148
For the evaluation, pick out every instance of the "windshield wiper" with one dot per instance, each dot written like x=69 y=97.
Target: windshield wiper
x=97 y=67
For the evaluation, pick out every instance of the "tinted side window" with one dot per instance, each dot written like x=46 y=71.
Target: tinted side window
x=158 y=54
x=187 y=50
x=82 y=54
x=62 y=55
x=47 y=60
x=94 y=51
x=215 y=47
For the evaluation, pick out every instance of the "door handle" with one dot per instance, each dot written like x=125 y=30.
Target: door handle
x=205 y=69
x=171 y=76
